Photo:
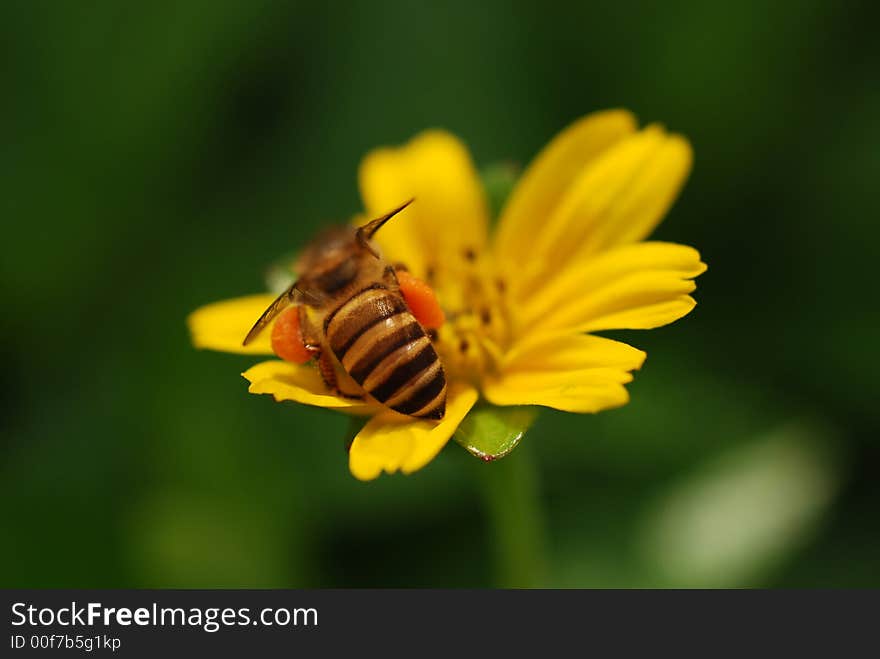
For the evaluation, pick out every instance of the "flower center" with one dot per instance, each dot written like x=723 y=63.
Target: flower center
x=477 y=329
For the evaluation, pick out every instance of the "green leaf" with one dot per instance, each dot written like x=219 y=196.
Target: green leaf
x=498 y=181
x=489 y=432
x=735 y=518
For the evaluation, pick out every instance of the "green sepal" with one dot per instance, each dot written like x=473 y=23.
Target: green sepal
x=490 y=432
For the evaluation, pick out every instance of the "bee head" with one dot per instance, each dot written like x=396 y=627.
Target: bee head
x=328 y=264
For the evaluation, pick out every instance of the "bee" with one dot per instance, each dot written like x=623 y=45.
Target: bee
x=350 y=307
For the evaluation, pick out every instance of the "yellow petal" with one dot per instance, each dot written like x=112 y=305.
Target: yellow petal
x=563 y=352
x=637 y=286
x=300 y=383
x=618 y=199
x=543 y=184
x=223 y=325
x=391 y=442
x=449 y=214
x=575 y=373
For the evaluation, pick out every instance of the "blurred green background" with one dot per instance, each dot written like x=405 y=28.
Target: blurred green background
x=156 y=156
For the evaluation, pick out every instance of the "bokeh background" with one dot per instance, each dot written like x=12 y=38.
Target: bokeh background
x=156 y=156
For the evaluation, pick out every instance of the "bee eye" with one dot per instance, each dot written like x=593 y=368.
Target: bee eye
x=337 y=277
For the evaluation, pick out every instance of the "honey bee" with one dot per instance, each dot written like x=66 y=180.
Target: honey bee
x=350 y=308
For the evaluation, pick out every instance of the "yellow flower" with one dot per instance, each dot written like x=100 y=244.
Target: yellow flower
x=567 y=259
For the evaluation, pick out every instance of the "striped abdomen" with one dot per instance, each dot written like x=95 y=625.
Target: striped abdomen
x=382 y=346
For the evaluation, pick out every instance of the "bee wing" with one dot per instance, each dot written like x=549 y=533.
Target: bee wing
x=291 y=296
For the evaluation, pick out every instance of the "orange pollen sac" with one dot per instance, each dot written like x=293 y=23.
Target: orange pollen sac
x=287 y=340
x=421 y=300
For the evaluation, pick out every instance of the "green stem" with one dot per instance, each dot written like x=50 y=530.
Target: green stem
x=512 y=499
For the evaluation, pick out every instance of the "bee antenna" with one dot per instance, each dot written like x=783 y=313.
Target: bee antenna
x=371 y=227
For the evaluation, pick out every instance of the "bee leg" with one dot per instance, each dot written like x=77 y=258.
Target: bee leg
x=328 y=373
x=390 y=276
x=325 y=367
